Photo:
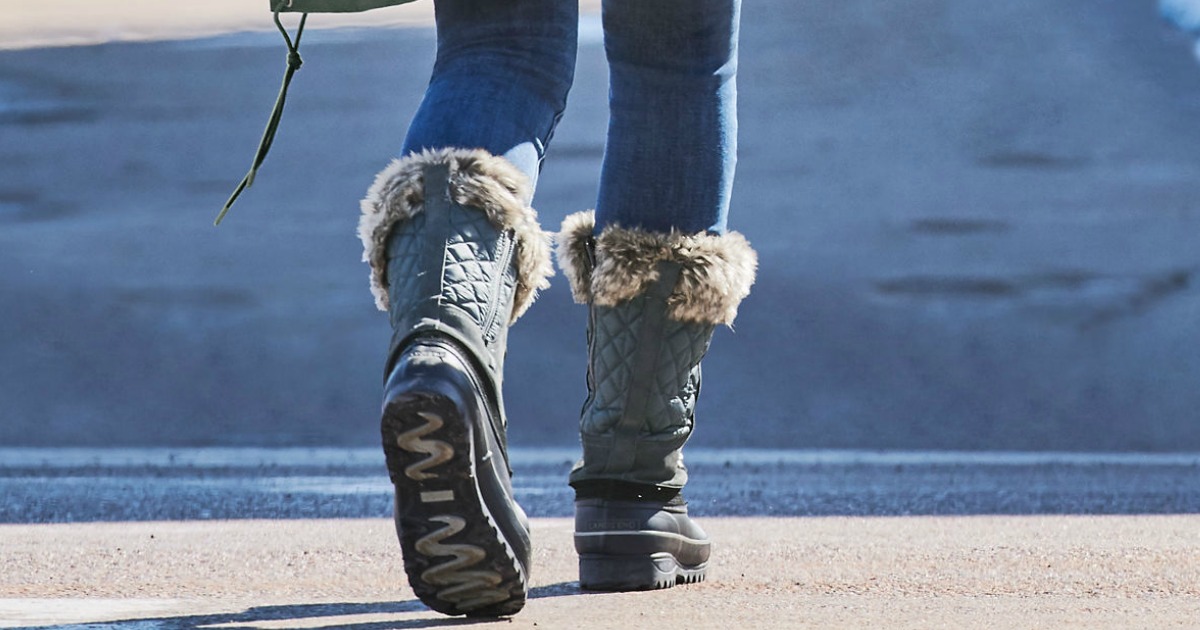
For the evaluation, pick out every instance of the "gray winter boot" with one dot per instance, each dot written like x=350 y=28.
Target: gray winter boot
x=655 y=300
x=456 y=255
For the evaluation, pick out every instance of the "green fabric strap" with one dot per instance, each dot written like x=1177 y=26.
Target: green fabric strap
x=264 y=146
x=335 y=6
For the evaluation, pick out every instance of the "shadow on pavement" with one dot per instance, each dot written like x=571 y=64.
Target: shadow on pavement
x=335 y=612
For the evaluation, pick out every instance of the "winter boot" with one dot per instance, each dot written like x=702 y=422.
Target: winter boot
x=654 y=300
x=456 y=255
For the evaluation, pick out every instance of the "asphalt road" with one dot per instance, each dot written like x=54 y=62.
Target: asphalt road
x=54 y=486
x=977 y=224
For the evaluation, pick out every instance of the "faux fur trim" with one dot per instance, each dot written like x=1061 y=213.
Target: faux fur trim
x=478 y=180
x=717 y=271
x=573 y=243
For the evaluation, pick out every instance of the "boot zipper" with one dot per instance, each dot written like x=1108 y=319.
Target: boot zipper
x=591 y=329
x=504 y=253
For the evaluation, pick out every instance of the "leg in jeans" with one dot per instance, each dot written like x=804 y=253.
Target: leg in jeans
x=456 y=255
x=659 y=272
x=672 y=135
x=501 y=78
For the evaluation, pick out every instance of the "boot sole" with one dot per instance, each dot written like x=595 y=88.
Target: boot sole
x=636 y=573
x=456 y=555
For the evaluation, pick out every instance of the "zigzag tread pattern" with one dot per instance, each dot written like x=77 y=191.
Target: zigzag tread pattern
x=437 y=451
x=466 y=589
x=450 y=572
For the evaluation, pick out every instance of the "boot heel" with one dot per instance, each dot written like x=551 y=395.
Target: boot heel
x=465 y=547
x=635 y=573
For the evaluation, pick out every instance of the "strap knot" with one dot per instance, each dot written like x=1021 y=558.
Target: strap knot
x=264 y=146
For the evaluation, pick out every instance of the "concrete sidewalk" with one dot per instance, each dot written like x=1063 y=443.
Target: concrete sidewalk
x=914 y=572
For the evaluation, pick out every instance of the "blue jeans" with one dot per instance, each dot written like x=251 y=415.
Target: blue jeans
x=504 y=68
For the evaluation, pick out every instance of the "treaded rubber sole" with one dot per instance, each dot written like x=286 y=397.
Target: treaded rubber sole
x=456 y=557
x=602 y=572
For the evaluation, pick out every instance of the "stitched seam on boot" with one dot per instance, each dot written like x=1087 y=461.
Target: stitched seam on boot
x=437 y=222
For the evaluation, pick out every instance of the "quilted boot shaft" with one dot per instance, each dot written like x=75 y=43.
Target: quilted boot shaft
x=654 y=301
x=454 y=250
x=451 y=272
x=643 y=380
